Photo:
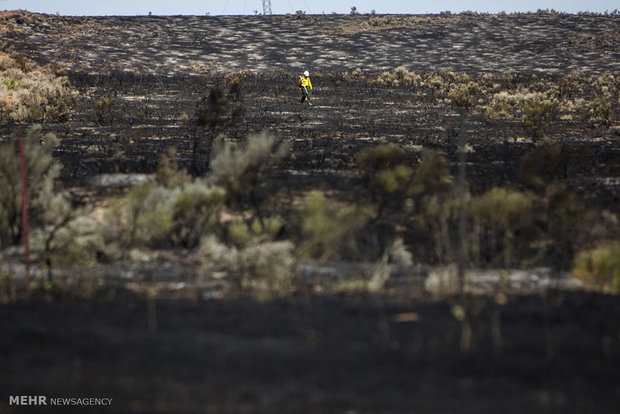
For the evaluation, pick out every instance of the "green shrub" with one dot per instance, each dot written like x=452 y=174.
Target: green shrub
x=168 y=174
x=241 y=170
x=502 y=208
x=387 y=174
x=599 y=110
x=461 y=97
x=195 y=212
x=12 y=84
x=29 y=94
x=536 y=114
x=42 y=169
x=431 y=175
x=330 y=231
x=216 y=258
x=242 y=233
x=499 y=214
x=398 y=77
x=267 y=269
x=433 y=200
x=264 y=268
x=153 y=215
x=62 y=233
x=173 y=210
x=66 y=239
x=356 y=75
x=599 y=268
x=566 y=222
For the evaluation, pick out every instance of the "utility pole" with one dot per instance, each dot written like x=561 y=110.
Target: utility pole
x=266 y=7
x=24 y=181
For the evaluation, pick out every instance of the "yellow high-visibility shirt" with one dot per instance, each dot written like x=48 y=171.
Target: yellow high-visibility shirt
x=305 y=81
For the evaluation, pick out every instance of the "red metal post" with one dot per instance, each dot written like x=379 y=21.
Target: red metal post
x=24 y=178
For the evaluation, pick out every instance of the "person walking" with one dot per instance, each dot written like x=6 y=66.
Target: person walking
x=306 y=87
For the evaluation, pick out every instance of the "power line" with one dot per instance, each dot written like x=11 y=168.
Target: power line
x=266 y=7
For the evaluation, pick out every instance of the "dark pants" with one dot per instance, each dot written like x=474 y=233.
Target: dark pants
x=305 y=94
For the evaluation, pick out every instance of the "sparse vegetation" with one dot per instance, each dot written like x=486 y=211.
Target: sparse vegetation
x=345 y=236
x=399 y=76
x=32 y=94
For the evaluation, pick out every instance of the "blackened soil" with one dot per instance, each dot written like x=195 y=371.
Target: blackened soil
x=154 y=71
x=549 y=44
x=553 y=354
x=333 y=354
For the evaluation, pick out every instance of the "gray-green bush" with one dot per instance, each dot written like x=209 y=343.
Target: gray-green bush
x=42 y=171
x=30 y=93
x=241 y=170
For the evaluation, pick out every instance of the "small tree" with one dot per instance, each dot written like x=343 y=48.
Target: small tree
x=210 y=114
x=432 y=193
x=66 y=235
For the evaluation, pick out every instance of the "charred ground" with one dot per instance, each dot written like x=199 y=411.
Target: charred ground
x=141 y=82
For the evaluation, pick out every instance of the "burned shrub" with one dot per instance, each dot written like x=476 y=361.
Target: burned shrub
x=210 y=113
x=547 y=163
x=236 y=85
x=103 y=110
x=212 y=109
